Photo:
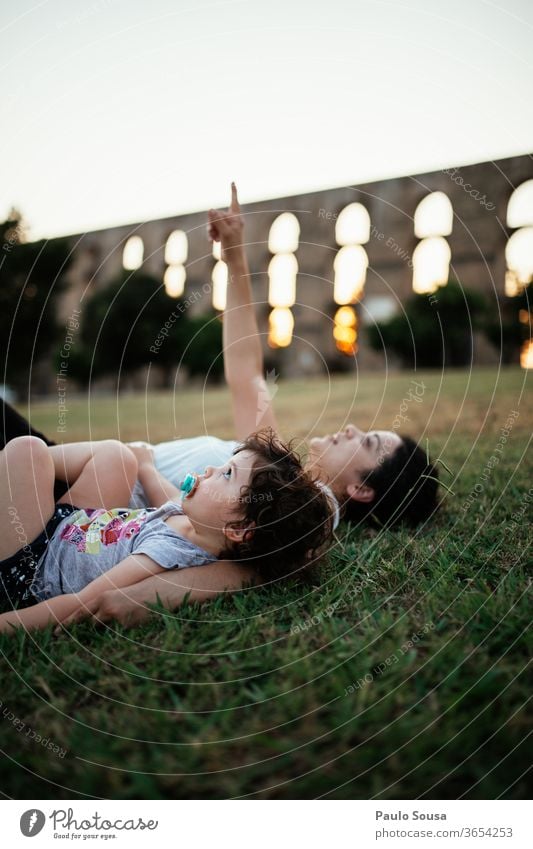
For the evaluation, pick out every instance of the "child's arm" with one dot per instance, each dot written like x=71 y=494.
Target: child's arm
x=134 y=568
x=156 y=487
x=243 y=354
x=124 y=574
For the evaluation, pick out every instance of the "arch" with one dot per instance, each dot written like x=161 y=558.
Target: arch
x=219 y=276
x=176 y=248
x=133 y=254
x=519 y=258
x=174 y=280
x=284 y=234
x=520 y=206
x=431 y=265
x=434 y=216
x=353 y=225
x=350 y=266
x=345 y=330
x=526 y=354
x=282 y=272
x=281 y=325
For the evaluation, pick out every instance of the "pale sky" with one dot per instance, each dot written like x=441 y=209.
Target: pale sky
x=117 y=111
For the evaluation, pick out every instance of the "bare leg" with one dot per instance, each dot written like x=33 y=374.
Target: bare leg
x=26 y=492
x=99 y=474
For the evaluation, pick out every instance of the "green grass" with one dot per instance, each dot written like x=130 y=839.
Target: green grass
x=257 y=695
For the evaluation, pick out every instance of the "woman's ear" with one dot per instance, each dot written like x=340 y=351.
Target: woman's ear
x=360 y=492
x=238 y=534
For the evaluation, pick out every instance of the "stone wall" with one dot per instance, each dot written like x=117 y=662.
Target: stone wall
x=479 y=195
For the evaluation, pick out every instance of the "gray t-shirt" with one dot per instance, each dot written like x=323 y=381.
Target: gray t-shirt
x=90 y=542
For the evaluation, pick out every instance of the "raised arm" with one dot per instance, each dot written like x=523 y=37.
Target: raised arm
x=243 y=354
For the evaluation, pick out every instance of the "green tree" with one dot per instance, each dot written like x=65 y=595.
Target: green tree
x=31 y=280
x=121 y=323
x=510 y=327
x=133 y=322
x=433 y=331
x=202 y=338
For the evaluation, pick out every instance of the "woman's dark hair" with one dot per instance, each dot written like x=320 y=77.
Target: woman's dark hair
x=292 y=515
x=405 y=486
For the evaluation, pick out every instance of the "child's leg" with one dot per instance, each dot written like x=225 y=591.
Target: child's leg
x=99 y=474
x=26 y=492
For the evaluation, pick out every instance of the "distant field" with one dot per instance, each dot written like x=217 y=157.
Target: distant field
x=402 y=674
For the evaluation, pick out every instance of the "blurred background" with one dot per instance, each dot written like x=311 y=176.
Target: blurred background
x=383 y=157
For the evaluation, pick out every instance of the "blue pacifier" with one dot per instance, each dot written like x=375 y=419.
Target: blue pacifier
x=188 y=485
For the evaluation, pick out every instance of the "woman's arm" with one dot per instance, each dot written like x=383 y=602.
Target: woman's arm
x=135 y=568
x=40 y=615
x=243 y=354
x=201 y=583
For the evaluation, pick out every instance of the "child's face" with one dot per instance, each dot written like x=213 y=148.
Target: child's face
x=216 y=499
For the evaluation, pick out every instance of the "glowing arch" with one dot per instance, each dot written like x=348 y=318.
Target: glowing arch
x=434 y=216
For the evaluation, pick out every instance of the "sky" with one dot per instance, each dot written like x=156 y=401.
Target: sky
x=120 y=111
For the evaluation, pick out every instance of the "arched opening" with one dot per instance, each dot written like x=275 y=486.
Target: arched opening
x=284 y=234
x=353 y=225
x=431 y=265
x=520 y=206
x=219 y=277
x=281 y=325
x=133 y=254
x=176 y=248
x=350 y=268
x=174 y=280
x=434 y=216
x=345 y=330
x=282 y=272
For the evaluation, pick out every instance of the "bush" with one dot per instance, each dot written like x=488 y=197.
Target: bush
x=133 y=322
x=433 y=331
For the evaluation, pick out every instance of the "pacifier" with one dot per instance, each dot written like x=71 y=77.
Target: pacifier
x=188 y=485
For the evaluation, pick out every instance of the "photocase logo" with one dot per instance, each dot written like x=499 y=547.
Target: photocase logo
x=31 y=822
x=266 y=395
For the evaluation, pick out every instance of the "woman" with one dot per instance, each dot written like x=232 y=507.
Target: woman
x=376 y=474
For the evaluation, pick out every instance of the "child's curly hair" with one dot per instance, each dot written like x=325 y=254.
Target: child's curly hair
x=292 y=516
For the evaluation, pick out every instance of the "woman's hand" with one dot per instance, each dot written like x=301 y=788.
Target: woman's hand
x=109 y=606
x=144 y=453
x=227 y=227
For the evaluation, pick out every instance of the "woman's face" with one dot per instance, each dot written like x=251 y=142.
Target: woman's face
x=344 y=458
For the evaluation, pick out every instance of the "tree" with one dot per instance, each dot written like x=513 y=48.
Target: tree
x=31 y=280
x=511 y=327
x=203 y=346
x=133 y=322
x=433 y=331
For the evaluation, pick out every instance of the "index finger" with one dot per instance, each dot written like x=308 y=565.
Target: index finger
x=234 y=199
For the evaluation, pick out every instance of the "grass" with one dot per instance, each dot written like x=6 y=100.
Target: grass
x=279 y=694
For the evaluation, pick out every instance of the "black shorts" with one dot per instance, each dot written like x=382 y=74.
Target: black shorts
x=18 y=571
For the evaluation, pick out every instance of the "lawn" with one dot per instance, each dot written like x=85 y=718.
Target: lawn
x=402 y=674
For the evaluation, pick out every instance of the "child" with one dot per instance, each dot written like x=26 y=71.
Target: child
x=261 y=508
